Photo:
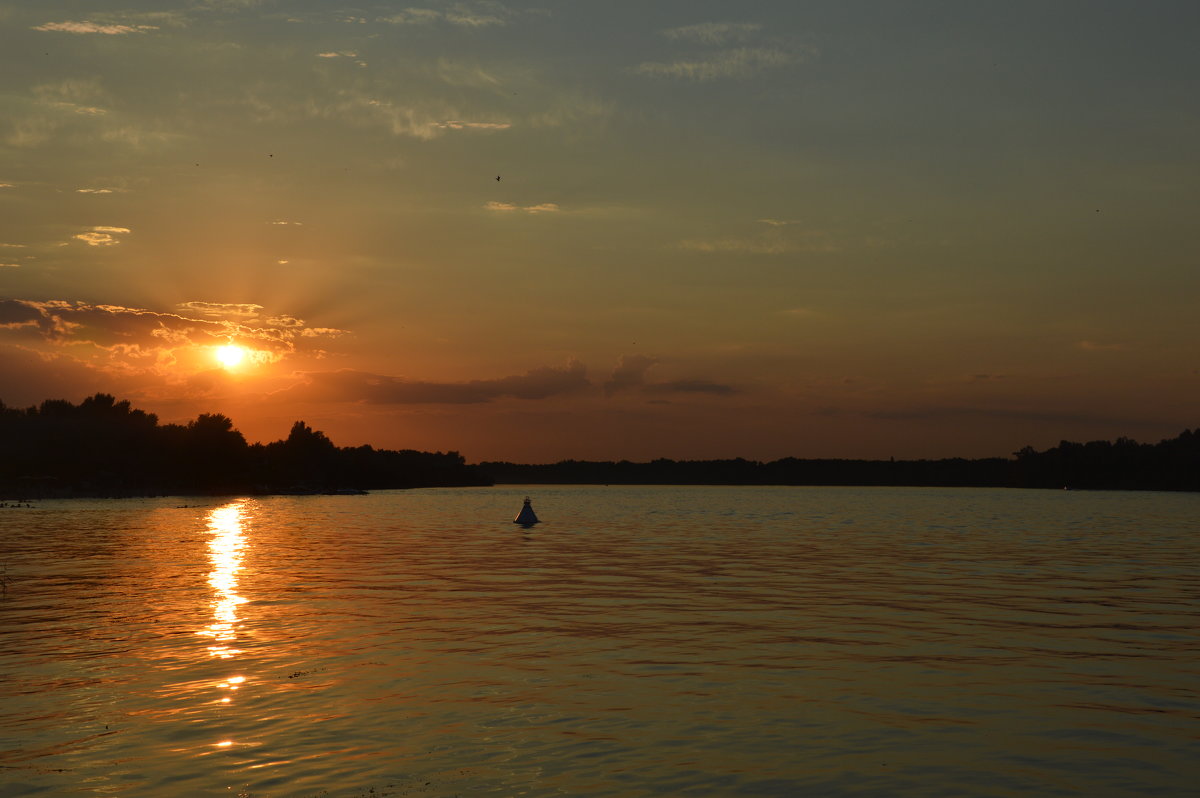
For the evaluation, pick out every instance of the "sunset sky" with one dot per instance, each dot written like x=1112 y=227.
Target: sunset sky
x=757 y=229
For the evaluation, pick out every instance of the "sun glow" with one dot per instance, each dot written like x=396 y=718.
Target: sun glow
x=230 y=356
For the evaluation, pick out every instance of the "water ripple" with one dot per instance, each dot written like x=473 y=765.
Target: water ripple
x=641 y=641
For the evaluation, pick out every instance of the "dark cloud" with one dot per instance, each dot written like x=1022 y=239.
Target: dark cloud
x=629 y=373
x=692 y=386
x=27 y=378
x=348 y=385
x=15 y=313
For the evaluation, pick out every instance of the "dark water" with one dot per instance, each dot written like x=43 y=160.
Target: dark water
x=641 y=641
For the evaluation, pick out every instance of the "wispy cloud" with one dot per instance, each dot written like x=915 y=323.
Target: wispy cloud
x=772 y=242
x=81 y=96
x=102 y=236
x=465 y=15
x=10 y=265
x=341 y=54
x=544 y=207
x=755 y=247
x=93 y=191
x=458 y=74
x=455 y=124
x=742 y=62
x=222 y=309
x=714 y=32
x=94 y=27
x=414 y=16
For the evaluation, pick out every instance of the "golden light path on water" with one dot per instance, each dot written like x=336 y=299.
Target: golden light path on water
x=226 y=549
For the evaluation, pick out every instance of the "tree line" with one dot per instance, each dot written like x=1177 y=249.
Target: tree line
x=1125 y=464
x=105 y=447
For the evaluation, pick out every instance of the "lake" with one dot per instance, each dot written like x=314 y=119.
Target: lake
x=640 y=641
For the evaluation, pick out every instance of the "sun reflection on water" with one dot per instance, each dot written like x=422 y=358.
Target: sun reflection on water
x=225 y=549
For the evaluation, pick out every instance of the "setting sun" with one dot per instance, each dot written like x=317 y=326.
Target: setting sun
x=230 y=356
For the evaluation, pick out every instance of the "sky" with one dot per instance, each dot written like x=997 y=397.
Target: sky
x=720 y=229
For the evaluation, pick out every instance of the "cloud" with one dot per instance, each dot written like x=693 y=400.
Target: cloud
x=77 y=95
x=457 y=74
x=773 y=242
x=544 y=207
x=93 y=191
x=571 y=109
x=714 y=32
x=742 y=62
x=425 y=120
x=94 y=27
x=692 y=386
x=414 y=16
x=348 y=385
x=102 y=236
x=629 y=373
x=455 y=124
x=475 y=15
x=222 y=309
x=121 y=334
x=10 y=265
x=7 y=185
x=755 y=247
x=341 y=54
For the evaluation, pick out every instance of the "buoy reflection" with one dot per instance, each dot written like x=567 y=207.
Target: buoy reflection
x=225 y=553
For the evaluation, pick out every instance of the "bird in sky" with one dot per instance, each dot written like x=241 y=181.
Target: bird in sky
x=497 y=178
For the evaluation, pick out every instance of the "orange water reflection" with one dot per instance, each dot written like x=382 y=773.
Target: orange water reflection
x=225 y=551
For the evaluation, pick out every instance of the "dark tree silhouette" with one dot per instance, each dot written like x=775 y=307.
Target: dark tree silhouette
x=103 y=447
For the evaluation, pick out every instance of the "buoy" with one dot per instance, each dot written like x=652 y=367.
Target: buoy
x=526 y=516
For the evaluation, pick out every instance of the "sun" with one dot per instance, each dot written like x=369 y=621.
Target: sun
x=230 y=356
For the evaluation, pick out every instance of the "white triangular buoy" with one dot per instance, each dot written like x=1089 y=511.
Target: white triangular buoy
x=526 y=516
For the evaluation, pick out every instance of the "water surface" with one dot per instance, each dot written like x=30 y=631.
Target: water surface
x=640 y=641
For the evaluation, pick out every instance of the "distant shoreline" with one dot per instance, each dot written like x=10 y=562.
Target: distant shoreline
x=1172 y=465
x=104 y=448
